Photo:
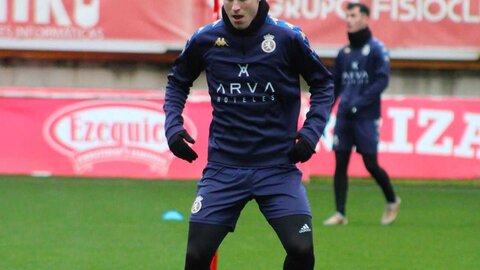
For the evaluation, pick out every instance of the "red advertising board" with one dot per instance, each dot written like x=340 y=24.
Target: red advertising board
x=420 y=137
x=399 y=23
x=432 y=29
x=103 y=133
x=108 y=133
x=94 y=25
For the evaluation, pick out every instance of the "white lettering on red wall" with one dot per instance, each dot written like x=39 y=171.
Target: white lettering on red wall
x=424 y=132
x=432 y=136
x=92 y=132
x=458 y=11
x=53 y=19
x=148 y=27
x=420 y=137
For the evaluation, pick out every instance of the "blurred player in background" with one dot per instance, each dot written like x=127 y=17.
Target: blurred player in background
x=252 y=63
x=361 y=74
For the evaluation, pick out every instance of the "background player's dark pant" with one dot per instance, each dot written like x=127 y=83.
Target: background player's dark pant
x=204 y=240
x=340 y=183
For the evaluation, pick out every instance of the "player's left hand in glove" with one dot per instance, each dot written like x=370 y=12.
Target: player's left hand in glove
x=180 y=148
x=302 y=151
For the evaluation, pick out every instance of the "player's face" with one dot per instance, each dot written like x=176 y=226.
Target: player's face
x=356 y=20
x=241 y=12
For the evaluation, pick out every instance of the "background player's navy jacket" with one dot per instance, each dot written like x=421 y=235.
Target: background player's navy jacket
x=361 y=75
x=255 y=92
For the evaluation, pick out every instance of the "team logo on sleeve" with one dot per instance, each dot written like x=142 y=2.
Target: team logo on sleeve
x=386 y=57
x=268 y=44
x=366 y=50
x=197 y=205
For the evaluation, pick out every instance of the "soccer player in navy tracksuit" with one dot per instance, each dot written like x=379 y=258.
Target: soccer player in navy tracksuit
x=361 y=74
x=252 y=62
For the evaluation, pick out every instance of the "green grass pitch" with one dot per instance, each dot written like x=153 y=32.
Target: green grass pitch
x=88 y=224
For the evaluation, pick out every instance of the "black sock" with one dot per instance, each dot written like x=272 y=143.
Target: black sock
x=340 y=180
x=380 y=176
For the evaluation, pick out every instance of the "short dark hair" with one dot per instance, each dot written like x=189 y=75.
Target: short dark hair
x=363 y=8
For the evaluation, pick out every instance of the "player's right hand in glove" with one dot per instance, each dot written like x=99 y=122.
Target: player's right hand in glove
x=302 y=151
x=180 y=148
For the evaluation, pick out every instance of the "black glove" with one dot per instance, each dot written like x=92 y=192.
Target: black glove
x=180 y=148
x=352 y=112
x=302 y=151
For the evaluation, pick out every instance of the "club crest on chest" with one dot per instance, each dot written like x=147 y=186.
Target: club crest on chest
x=268 y=43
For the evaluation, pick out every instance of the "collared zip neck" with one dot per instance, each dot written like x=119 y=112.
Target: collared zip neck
x=360 y=38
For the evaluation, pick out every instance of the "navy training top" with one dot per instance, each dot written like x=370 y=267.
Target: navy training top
x=254 y=85
x=360 y=76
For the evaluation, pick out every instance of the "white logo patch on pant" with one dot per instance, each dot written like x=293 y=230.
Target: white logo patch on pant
x=305 y=229
x=197 y=205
